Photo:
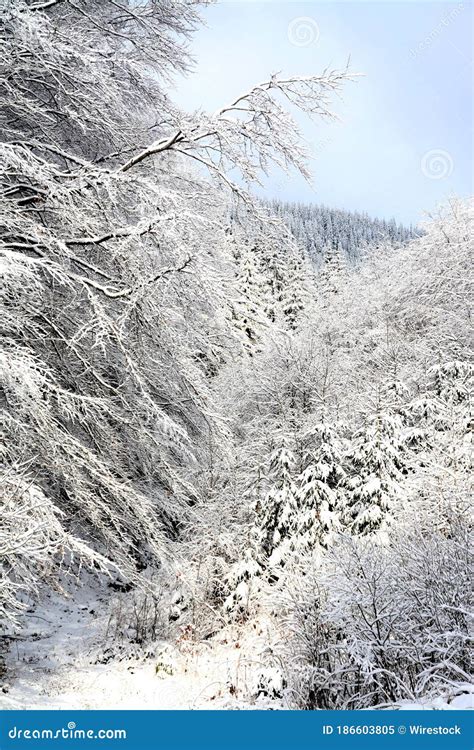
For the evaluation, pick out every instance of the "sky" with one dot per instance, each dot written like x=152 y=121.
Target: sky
x=403 y=143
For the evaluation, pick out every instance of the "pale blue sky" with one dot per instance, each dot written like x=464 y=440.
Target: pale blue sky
x=414 y=100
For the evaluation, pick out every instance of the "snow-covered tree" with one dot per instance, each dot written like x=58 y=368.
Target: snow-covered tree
x=452 y=381
x=277 y=511
x=332 y=273
x=320 y=488
x=32 y=540
x=318 y=227
x=295 y=292
x=376 y=461
x=242 y=580
x=248 y=312
x=118 y=275
x=288 y=277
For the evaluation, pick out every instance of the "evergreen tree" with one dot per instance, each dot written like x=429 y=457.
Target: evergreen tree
x=276 y=512
x=318 y=227
x=376 y=466
x=248 y=312
x=293 y=294
x=272 y=531
x=452 y=381
x=332 y=273
x=320 y=498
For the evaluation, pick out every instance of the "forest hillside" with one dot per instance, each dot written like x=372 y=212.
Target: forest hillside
x=221 y=467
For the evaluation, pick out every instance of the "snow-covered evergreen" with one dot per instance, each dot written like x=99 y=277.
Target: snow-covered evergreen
x=277 y=510
x=324 y=231
x=376 y=461
x=321 y=497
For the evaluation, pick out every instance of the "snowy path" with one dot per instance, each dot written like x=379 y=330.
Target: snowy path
x=54 y=665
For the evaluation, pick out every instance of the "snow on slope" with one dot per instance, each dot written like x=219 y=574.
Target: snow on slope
x=61 y=661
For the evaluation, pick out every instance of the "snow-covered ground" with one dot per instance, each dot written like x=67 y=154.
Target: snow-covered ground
x=62 y=659
x=459 y=698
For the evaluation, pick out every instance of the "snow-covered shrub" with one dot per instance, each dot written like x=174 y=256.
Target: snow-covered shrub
x=267 y=682
x=379 y=623
x=166 y=659
x=242 y=580
x=140 y=622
